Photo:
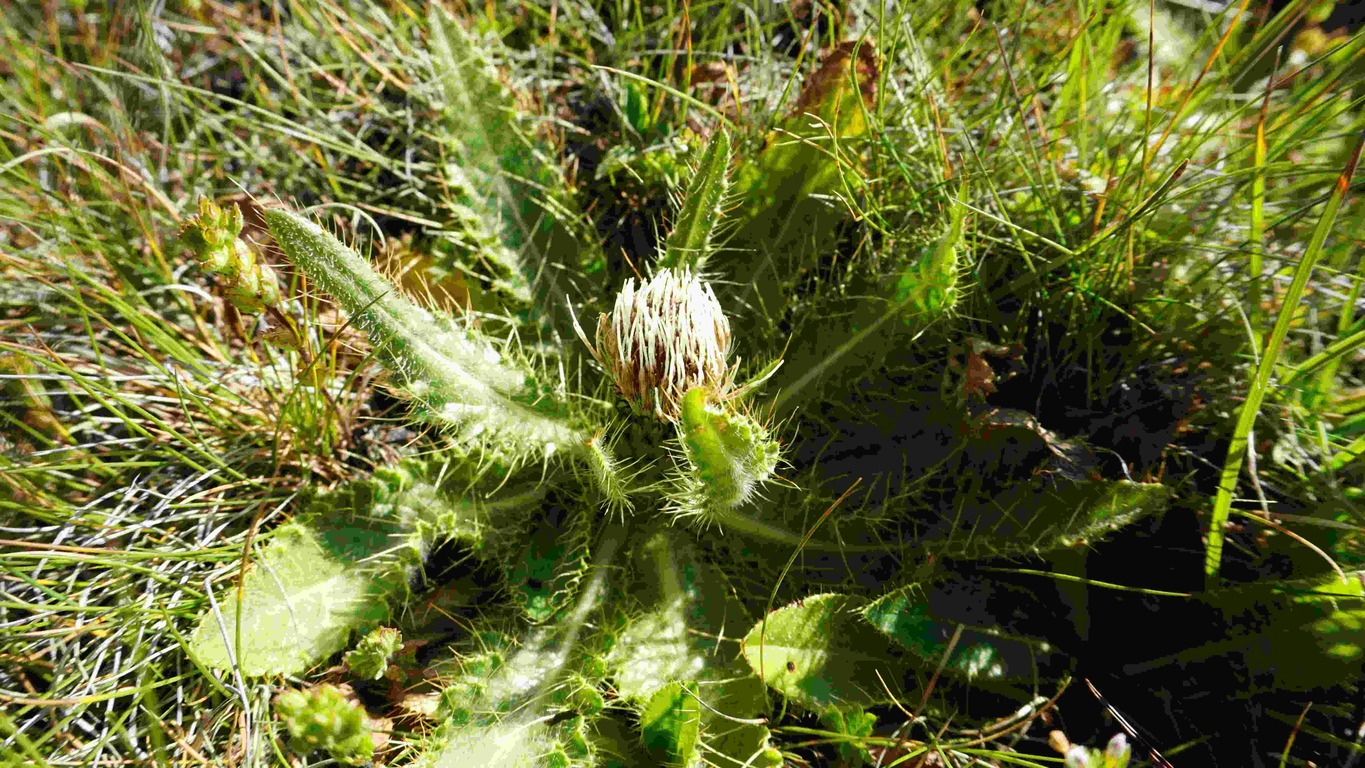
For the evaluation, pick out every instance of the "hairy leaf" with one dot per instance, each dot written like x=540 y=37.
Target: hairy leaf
x=904 y=615
x=616 y=742
x=927 y=286
x=793 y=188
x=518 y=742
x=1045 y=514
x=498 y=675
x=505 y=181
x=684 y=606
x=860 y=325
x=821 y=653
x=680 y=637
x=369 y=659
x=729 y=742
x=336 y=569
x=727 y=457
x=671 y=725
x=460 y=376
x=690 y=242
x=547 y=573
x=300 y=604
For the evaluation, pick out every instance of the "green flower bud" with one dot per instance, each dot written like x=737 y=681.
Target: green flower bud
x=213 y=236
x=370 y=657
x=322 y=719
x=731 y=454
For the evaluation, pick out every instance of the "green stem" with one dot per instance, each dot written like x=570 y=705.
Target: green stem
x=759 y=529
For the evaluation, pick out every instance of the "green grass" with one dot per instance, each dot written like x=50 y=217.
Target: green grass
x=1069 y=335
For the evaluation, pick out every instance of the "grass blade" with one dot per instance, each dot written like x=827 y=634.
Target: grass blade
x=1227 y=483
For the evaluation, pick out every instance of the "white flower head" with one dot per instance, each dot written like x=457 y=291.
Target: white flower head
x=665 y=336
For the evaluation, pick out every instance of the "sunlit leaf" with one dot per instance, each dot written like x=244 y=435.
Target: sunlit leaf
x=513 y=743
x=671 y=725
x=687 y=634
x=822 y=653
x=299 y=605
x=904 y=615
x=335 y=571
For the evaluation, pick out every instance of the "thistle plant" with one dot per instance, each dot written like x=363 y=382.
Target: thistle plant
x=913 y=340
x=695 y=454
x=659 y=435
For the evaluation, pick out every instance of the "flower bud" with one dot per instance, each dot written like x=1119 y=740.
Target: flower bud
x=664 y=337
x=370 y=657
x=213 y=235
x=1078 y=757
x=1117 y=749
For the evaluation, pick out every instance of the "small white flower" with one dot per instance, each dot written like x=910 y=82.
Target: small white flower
x=663 y=338
x=1078 y=757
x=1117 y=747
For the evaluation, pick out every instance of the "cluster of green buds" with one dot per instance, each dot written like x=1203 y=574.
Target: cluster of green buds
x=214 y=235
x=322 y=719
x=370 y=657
x=664 y=337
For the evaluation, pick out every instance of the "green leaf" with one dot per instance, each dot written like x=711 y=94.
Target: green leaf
x=460 y=376
x=682 y=605
x=1288 y=635
x=690 y=242
x=498 y=705
x=680 y=637
x=855 y=724
x=727 y=456
x=821 y=653
x=336 y=569
x=495 y=674
x=617 y=743
x=1045 y=514
x=671 y=725
x=849 y=332
x=300 y=604
x=519 y=742
x=792 y=189
x=546 y=575
x=904 y=616
x=506 y=181
x=732 y=744
x=653 y=651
